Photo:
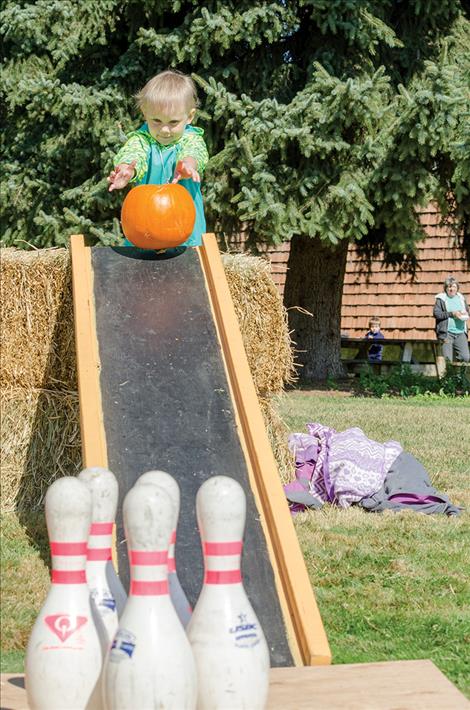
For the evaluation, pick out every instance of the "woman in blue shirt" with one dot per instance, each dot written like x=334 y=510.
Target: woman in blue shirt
x=451 y=314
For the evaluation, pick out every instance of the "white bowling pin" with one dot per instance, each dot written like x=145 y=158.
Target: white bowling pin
x=178 y=597
x=64 y=656
x=150 y=664
x=107 y=592
x=229 y=646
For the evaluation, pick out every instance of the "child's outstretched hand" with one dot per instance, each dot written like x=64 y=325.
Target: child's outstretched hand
x=120 y=176
x=186 y=169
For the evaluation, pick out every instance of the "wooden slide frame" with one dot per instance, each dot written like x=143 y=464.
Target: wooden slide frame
x=307 y=635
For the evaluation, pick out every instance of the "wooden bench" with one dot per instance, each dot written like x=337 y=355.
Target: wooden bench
x=407 y=685
x=406 y=347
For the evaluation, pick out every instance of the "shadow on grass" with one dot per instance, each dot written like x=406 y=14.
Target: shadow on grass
x=347 y=385
x=401 y=381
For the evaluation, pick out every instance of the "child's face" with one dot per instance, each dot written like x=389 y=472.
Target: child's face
x=374 y=327
x=167 y=126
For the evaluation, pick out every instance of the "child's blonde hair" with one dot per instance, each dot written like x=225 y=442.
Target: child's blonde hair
x=375 y=320
x=168 y=90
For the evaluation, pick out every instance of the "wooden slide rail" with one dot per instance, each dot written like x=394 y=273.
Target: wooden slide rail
x=296 y=587
x=88 y=365
x=93 y=436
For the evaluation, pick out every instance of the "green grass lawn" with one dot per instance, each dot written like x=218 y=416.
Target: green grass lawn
x=25 y=581
x=394 y=586
x=389 y=586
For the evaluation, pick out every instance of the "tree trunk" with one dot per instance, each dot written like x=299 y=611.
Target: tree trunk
x=314 y=283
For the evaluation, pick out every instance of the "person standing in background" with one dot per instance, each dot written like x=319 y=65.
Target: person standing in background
x=451 y=314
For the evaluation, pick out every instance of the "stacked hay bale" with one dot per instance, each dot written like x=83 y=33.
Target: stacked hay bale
x=40 y=421
x=265 y=332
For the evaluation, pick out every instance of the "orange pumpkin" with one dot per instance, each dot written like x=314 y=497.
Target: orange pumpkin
x=158 y=216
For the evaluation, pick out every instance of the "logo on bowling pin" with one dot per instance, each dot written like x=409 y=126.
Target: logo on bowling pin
x=64 y=625
x=246 y=632
x=229 y=646
x=123 y=646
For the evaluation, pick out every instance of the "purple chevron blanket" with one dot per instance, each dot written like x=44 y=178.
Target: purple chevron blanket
x=337 y=467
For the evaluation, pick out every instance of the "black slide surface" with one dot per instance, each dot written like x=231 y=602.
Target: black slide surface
x=166 y=405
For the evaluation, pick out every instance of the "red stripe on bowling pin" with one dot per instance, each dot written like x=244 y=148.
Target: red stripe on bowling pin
x=68 y=549
x=64 y=576
x=215 y=549
x=148 y=589
x=95 y=554
x=213 y=552
x=171 y=553
x=101 y=529
x=148 y=563
x=146 y=558
x=99 y=542
x=61 y=550
x=223 y=577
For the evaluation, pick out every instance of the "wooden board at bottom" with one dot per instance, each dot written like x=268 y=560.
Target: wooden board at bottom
x=393 y=685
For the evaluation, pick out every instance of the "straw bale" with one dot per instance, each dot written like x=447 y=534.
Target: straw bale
x=40 y=438
x=278 y=434
x=263 y=321
x=37 y=320
x=38 y=349
x=40 y=441
x=39 y=403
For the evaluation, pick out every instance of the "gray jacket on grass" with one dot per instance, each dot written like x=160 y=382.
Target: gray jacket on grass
x=407 y=486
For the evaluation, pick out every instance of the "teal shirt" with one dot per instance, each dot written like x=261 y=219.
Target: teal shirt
x=456 y=325
x=156 y=166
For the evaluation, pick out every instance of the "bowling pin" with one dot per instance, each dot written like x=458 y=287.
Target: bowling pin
x=150 y=664
x=178 y=597
x=107 y=593
x=64 y=656
x=229 y=646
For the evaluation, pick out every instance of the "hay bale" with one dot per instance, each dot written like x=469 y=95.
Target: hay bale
x=278 y=434
x=40 y=435
x=37 y=320
x=263 y=322
x=40 y=422
x=38 y=347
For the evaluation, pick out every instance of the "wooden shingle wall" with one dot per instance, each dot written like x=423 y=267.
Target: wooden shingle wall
x=403 y=306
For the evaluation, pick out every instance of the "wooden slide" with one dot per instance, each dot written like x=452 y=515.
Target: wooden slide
x=164 y=383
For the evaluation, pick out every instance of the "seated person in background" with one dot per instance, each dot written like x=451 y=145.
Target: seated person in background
x=374 y=333
x=451 y=313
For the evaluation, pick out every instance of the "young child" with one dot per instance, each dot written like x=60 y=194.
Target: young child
x=374 y=333
x=166 y=148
